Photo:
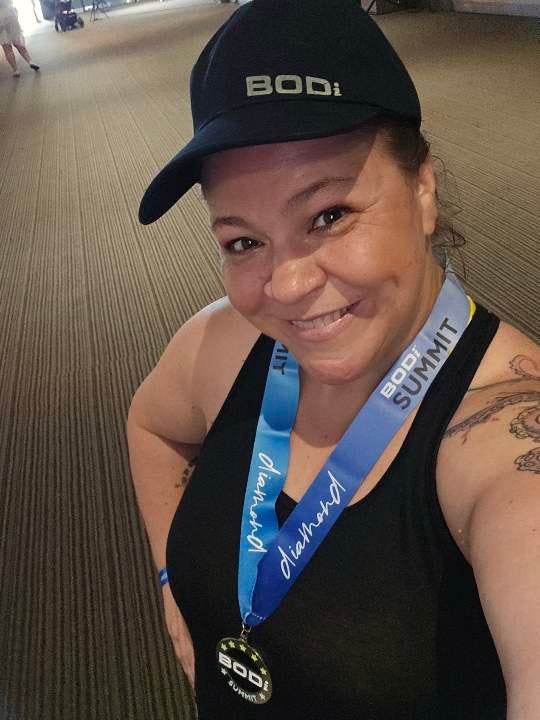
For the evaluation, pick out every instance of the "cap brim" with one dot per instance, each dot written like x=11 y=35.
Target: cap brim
x=258 y=124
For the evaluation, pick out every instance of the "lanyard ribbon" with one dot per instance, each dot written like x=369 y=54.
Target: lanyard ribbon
x=271 y=559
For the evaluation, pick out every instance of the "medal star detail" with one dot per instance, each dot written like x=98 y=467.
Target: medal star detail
x=244 y=670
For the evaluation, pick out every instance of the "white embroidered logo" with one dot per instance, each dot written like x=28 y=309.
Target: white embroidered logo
x=290 y=85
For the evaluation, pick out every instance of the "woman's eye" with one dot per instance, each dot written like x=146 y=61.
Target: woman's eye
x=329 y=217
x=240 y=245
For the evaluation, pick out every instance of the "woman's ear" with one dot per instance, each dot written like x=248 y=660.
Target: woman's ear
x=426 y=189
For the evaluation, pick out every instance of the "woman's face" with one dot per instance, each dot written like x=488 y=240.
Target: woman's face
x=324 y=248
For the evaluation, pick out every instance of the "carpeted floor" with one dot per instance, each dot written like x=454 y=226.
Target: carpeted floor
x=88 y=300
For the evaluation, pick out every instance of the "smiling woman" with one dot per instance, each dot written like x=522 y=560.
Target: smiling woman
x=335 y=262
x=358 y=537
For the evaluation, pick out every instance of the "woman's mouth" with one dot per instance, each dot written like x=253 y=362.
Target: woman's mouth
x=321 y=321
x=324 y=326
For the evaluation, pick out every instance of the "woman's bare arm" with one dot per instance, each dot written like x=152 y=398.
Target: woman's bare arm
x=164 y=428
x=490 y=492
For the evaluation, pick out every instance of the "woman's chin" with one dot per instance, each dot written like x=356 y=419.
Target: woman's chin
x=332 y=371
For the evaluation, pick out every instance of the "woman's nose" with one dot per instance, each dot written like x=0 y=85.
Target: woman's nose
x=293 y=279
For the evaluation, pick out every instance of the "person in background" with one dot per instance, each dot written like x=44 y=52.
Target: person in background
x=11 y=37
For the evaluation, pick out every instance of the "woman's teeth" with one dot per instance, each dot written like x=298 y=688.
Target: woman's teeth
x=322 y=321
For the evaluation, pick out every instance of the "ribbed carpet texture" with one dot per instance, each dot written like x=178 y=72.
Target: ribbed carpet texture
x=89 y=299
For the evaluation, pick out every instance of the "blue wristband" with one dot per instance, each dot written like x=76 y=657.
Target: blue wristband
x=163 y=577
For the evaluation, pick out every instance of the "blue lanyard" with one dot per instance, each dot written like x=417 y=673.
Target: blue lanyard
x=272 y=558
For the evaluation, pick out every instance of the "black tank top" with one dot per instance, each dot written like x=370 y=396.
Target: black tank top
x=385 y=622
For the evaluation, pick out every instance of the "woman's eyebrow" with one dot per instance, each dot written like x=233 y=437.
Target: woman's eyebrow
x=298 y=198
x=229 y=221
x=304 y=195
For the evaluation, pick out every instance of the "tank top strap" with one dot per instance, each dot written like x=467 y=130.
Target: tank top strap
x=414 y=469
x=244 y=400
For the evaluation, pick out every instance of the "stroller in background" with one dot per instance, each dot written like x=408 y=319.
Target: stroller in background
x=65 y=18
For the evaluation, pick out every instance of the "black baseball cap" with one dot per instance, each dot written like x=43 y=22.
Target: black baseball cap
x=281 y=70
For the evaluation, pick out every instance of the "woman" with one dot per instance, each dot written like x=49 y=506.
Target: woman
x=11 y=36
x=397 y=576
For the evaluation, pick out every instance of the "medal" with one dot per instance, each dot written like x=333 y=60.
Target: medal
x=272 y=557
x=244 y=669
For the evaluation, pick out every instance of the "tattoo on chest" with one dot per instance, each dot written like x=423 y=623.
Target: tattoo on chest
x=186 y=475
x=525 y=425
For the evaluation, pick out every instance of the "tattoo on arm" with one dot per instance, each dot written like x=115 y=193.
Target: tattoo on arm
x=530 y=461
x=519 y=365
x=188 y=472
x=525 y=425
x=522 y=426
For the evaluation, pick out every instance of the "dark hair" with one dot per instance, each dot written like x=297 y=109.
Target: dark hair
x=408 y=147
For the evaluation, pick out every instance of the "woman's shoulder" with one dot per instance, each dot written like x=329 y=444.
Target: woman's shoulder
x=510 y=366
x=492 y=435
x=217 y=340
x=508 y=357
x=216 y=322
x=508 y=375
x=182 y=395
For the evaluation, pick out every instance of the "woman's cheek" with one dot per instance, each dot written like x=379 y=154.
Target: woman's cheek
x=244 y=288
x=367 y=259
